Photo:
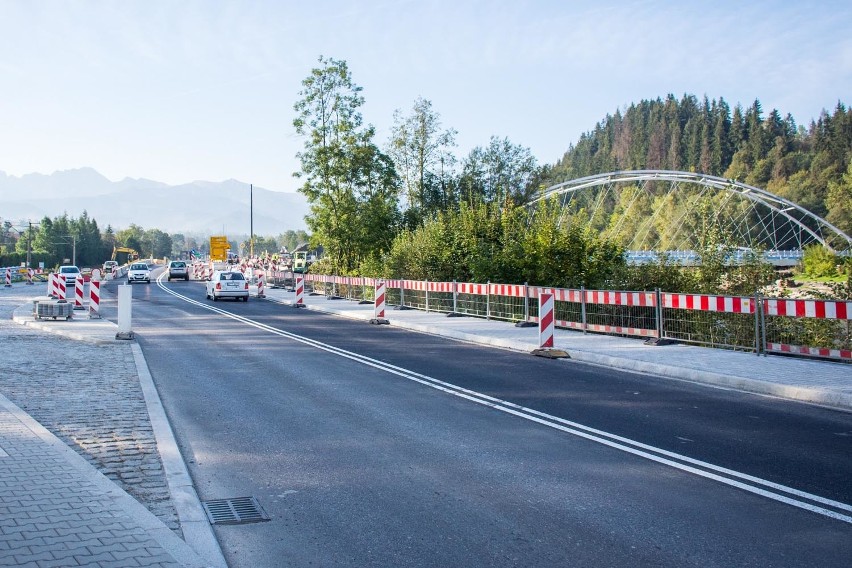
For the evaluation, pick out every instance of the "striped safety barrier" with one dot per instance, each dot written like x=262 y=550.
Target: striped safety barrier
x=820 y=309
x=8 y=278
x=95 y=299
x=380 y=300
x=60 y=287
x=30 y=275
x=545 y=320
x=811 y=351
x=78 y=293
x=815 y=309
x=725 y=304
x=261 y=291
x=300 y=291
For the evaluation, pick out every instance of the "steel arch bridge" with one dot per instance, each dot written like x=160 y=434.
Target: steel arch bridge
x=661 y=210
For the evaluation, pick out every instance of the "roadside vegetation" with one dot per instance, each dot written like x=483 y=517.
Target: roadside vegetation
x=410 y=207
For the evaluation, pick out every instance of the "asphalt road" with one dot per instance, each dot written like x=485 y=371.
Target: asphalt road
x=536 y=463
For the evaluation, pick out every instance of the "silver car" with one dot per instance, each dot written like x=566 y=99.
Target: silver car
x=178 y=269
x=139 y=272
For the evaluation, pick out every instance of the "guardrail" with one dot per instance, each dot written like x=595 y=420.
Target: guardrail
x=813 y=328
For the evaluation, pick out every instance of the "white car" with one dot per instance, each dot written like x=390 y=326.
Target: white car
x=227 y=284
x=70 y=274
x=139 y=272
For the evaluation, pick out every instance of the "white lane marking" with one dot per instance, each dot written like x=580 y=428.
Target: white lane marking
x=659 y=455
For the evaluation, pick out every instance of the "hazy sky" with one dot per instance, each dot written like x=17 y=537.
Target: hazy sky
x=181 y=90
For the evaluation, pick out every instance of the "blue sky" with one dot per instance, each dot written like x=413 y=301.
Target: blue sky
x=178 y=91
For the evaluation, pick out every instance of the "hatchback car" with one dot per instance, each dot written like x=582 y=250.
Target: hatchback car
x=178 y=269
x=226 y=284
x=139 y=272
x=110 y=266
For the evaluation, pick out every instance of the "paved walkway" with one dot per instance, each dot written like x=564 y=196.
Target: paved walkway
x=58 y=509
x=82 y=481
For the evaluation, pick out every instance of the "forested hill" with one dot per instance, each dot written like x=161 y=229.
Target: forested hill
x=810 y=165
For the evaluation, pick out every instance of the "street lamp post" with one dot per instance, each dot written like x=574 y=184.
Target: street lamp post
x=73 y=248
x=251 y=220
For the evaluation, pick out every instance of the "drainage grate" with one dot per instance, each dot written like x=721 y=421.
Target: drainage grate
x=238 y=511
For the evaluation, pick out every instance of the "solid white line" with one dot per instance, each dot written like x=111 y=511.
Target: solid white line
x=627 y=445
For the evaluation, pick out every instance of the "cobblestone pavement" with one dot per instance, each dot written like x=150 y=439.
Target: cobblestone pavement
x=51 y=515
x=89 y=397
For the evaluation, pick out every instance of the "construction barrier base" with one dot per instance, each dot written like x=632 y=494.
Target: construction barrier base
x=125 y=335
x=379 y=321
x=298 y=305
x=659 y=341
x=526 y=324
x=551 y=353
x=364 y=302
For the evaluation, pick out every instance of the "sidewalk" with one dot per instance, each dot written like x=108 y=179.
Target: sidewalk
x=114 y=501
x=808 y=380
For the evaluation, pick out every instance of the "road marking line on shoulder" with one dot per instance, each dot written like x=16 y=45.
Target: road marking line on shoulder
x=781 y=493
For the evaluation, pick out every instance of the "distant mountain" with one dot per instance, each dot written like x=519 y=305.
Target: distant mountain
x=200 y=207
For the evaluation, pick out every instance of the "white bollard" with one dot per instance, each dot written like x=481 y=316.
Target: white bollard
x=125 y=312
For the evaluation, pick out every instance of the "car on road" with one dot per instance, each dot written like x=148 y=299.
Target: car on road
x=228 y=284
x=70 y=273
x=139 y=272
x=178 y=269
x=110 y=266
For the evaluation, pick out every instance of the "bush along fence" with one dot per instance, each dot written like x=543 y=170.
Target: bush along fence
x=814 y=328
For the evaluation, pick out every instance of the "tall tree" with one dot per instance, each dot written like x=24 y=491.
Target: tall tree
x=338 y=163
x=422 y=153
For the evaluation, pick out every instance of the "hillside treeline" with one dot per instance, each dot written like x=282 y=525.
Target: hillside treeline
x=64 y=239
x=810 y=165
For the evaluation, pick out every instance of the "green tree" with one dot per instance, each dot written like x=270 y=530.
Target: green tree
x=422 y=154
x=344 y=174
x=499 y=172
x=839 y=201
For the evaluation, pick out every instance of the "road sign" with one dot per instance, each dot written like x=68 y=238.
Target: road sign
x=219 y=248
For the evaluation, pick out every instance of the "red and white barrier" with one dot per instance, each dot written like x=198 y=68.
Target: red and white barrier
x=8 y=278
x=95 y=299
x=261 y=287
x=300 y=291
x=812 y=351
x=380 y=304
x=78 y=293
x=545 y=320
x=820 y=309
x=726 y=304
x=30 y=274
x=380 y=300
x=60 y=287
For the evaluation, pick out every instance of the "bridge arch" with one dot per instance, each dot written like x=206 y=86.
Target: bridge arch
x=753 y=217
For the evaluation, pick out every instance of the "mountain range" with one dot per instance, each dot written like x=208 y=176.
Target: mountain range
x=200 y=207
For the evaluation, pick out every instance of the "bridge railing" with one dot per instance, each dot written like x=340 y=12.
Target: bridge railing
x=816 y=328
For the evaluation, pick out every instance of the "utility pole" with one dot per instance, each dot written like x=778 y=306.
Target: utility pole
x=251 y=220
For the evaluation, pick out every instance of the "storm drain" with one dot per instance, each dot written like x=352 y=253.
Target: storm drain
x=238 y=511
